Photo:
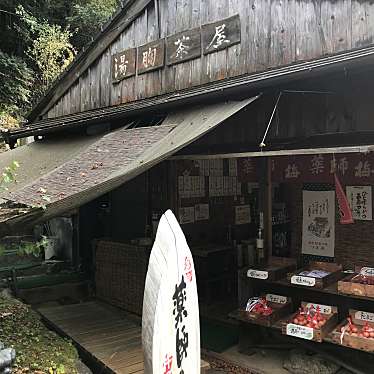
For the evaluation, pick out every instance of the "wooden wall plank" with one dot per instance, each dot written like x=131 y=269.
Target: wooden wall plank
x=236 y=56
x=273 y=33
x=310 y=40
x=116 y=87
x=195 y=65
x=336 y=25
x=153 y=79
x=183 y=70
x=140 y=38
x=261 y=31
x=283 y=26
x=128 y=85
x=94 y=86
x=171 y=28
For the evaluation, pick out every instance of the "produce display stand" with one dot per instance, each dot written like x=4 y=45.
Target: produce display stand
x=300 y=278
x=349 y=286
x=359 y=319
x=292 y=328
x=281 y=306
x=276 y=268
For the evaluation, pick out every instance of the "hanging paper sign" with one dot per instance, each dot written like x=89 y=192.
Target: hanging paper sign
x=360 y=201
x=201 y=212
x=170 y=320
x=303 y=281
x=187 y=215
x=257 y=274
x=325 y=309
x=364 y=316
x=242 y=214
x=298 y=331
x=318 y=223
x=276 y=298
x=233 y=167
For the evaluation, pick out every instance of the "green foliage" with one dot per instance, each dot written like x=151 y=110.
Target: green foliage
x=38 y=349
x=8 y=176
x=33 y=249
x=50 y=48
x=88 y=16
x=15 y=92
x=37 y=44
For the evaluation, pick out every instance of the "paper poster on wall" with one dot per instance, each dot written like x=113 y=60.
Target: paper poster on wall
x=242 y=214
x=318 y=223
x=187 y=215
x=360 y=201
x=233 y=167
x=201 y=212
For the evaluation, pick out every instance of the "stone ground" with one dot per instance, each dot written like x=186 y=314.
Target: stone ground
x=268 y=362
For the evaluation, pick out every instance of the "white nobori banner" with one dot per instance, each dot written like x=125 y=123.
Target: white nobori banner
x=170 y=323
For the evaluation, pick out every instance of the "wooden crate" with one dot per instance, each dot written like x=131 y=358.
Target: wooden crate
x=315 y=334
x=280 y=310
x=335 y=270
x=275 y=269
x=346 y=286
x=356 y=342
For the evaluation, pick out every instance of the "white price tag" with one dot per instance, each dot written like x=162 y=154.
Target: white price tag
x=364 y=316
x=367 y=271
x=303 y=281
x=324 y=309
x=276 y=298
x=258 y=274
x=298 y=331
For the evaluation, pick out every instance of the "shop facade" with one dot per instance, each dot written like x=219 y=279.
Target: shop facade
x=249 y=144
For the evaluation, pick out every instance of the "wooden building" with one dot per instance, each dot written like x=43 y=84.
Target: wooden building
x=232 y=113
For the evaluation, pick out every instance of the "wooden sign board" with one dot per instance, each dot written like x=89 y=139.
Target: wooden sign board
x=170 y=323
x=183 y=46
x=123 y=64
x=220 y=35
x=151 y=56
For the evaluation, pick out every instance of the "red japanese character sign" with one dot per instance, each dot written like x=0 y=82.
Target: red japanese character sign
x=170 y=325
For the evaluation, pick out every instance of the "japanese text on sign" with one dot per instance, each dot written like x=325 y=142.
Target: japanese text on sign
x=303 y=281
x=220 y=35
x=364 y=316
x=151 y=56
x=258 y=274
x=179 y=312
x=360 y=202
x=276 y=298
x=318 y=223
x=123 y=64
x=299 y=331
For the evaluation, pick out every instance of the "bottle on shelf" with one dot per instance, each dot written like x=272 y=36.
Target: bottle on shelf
x=260 y=247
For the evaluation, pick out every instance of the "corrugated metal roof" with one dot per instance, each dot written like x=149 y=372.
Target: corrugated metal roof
x=39 y=158
x=120 y=156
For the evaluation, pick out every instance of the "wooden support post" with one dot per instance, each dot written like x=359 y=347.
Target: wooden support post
x=268 y=214
x=265 y=204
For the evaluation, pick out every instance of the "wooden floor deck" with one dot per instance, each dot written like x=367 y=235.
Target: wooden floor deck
x=104 y=332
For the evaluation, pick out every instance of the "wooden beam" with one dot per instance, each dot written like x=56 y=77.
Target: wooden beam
x=285 y=152
x=131 y=10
